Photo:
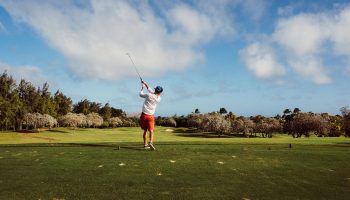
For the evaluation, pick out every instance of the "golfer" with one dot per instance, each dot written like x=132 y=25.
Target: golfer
x=148 y=109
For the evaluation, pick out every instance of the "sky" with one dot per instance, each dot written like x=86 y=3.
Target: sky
x=249 y=56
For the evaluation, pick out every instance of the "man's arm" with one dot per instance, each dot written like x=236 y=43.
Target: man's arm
x=148 y=88
x=142 y=94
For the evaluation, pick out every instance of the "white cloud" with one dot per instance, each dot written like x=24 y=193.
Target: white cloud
x=304 y=37
x=95 y=37
x=340 y=32
x=311 y=68
x=302 y=34
x=260 y=59
x=305 y=42
x=29 y=73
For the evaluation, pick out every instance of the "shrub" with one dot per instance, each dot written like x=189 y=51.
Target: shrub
x=115 y=122
x=37 y=120
x=130 y=122
x=166 y=121
x=307 y=123
x=347 y=125
x=94 y=120
x=195 y=120
x=237 y=126
x=215 y=123
x=48 y=121
x=73 y=120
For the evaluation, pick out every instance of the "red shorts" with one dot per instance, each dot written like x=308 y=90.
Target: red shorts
x=147 y=122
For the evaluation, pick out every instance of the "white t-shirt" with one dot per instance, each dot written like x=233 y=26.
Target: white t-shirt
x=151 y=101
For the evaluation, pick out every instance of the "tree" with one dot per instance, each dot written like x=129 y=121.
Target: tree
x=307 y=123
x=257 y=118
x=347 y=124
x=94 y=107
x=337 y=126
x=29 y=97
x=196 y=111
x=237 y=125
x=118 y=112
x=230 y=116
x=216 y=123
x=296 y=110
x=286 y=112
x=82 y=107
x=48 y=104
x=106 y=112
x=346 y=120
x=10 y=104
x=222 y=111
x=63 y=103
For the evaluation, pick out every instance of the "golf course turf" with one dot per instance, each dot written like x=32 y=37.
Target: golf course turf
x=111 y=164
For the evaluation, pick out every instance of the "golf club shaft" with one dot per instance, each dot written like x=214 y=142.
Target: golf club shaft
x=137 y=71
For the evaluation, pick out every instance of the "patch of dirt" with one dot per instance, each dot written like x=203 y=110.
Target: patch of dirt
x=169 y=130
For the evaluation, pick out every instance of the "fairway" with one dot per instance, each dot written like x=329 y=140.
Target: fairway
x=86 y=164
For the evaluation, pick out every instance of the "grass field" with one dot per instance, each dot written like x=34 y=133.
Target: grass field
x=85 y=164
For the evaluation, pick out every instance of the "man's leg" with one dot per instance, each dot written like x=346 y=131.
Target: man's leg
x=145 y=137
x=151 y=136
x=151 y=140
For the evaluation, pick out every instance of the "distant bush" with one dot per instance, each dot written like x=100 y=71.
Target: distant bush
x=115 y=122
x=130 y=122
x=166 y=121
x=216 y=123
x=307 y=123
x=181 y=121
x=268 y=126
x=49 y=121
x=37 y=120
x=94 y=120
x=73 y=120
x=347 y=125
x=195 y=120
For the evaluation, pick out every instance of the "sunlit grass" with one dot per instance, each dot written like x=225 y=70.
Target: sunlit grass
x=86 y=164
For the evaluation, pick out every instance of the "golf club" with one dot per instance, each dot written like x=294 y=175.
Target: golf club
x=137 y=71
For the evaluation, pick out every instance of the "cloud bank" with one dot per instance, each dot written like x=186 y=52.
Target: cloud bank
x=94 y=36
x=304 y=42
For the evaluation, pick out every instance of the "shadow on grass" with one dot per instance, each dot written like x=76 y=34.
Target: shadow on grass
x=59 y=145
x=27 y=131
x=39 y=131
x=134 y=147
x=57 y=131
x=113 y=145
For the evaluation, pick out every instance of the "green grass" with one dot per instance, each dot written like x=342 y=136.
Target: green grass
x=84 y=164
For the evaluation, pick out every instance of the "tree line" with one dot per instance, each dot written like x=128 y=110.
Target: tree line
x=24 y=105
x=28 y=107
x=295 y=123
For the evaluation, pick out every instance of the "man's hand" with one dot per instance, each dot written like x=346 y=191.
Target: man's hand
x=142 y=86
x=144 y=83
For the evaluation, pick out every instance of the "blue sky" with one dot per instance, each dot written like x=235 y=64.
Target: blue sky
x=249 y=56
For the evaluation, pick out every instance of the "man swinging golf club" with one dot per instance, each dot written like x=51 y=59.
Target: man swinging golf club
x=149 y=107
